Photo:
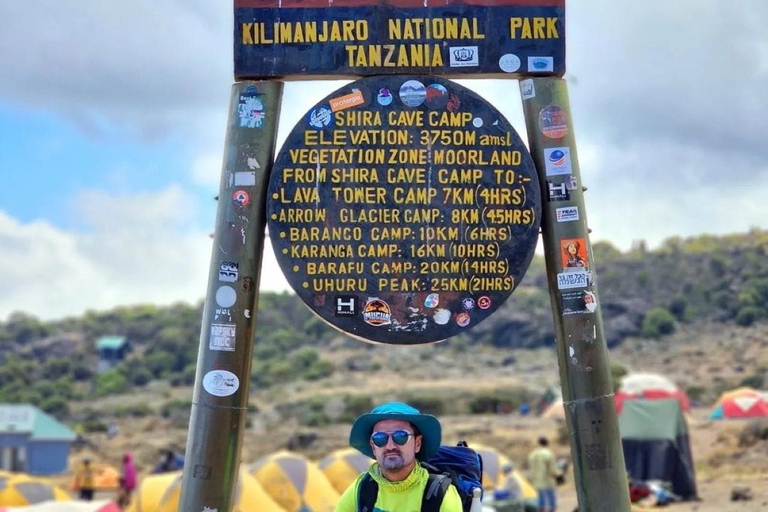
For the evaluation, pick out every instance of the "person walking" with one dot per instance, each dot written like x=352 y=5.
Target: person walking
x=398 y=436
x=541 y=463
x=127 y=481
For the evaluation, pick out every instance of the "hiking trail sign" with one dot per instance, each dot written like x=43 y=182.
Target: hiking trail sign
x=341 y=38
x=403 y=209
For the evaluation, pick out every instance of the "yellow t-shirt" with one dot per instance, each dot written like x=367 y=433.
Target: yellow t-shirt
x=542 y=464
x=403 y=496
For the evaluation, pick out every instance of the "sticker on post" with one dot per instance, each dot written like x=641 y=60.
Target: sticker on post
x=221 y=383
x=574 y=253
x=250 y=109
x=567 y=214
x=574 y=279
x=527 y=89
x=558 y=161
x=222 y=337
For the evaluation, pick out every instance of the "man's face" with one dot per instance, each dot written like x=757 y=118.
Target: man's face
x=392 y=456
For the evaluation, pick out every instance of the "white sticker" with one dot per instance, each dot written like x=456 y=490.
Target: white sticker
x=226 y=296
x=222 y=337
x=567 y=214
x=442 y=316
x=228 y=271
x=574 y=279
x=540 y=64
x=509 y=62
x=221 y=383
x=477 y=122
x=557 y=161
x=253 y=163
x=245 y=179
x=527 y=89
x=463 y=56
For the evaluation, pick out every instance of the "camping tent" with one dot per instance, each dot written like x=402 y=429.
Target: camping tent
x=295 y=483
x=656 y=445
x=341 y=467
x=19 y=489
x=68 y=506
x=741 y=403
x=649 y=386
x=555 y=410
x=493 y=477
x=162 y=493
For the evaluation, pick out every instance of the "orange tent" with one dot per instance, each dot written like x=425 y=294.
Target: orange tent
x=105 y=478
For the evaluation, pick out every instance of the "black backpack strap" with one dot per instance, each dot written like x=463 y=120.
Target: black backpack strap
x=437 y=486
x=367 y=493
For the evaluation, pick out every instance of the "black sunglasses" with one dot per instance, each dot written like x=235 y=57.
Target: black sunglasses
x=400 y=437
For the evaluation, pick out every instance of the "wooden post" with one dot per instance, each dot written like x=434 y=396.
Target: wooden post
x=220 y=401
x=588 y=398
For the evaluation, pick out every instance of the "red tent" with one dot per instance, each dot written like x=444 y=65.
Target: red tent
x=649 y=386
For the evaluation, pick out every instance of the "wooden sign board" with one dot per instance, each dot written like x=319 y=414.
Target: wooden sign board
x=403 y=209
x=297 y=39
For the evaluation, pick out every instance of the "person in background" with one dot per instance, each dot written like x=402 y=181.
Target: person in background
x=541 y=462
x=84 y=481
x=127 y=481
x=511 y=486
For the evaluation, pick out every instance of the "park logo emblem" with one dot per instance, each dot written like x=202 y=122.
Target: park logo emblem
x=377 y=312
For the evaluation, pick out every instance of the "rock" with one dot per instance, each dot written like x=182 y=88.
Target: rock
x=741 y=494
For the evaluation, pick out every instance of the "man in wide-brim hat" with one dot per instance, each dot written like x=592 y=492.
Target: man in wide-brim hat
x=398 y=436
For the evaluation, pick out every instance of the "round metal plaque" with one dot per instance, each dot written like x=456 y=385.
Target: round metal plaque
x=403 y=209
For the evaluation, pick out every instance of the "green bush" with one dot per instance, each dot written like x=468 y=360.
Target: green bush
x=140 y=410
x=658 y=322
x=747 y=315
x=354 y=406
x=617 y=372
x=508 y=399
x=755 y=381
x=112 y=382
x=169 y=408
x=55 y=405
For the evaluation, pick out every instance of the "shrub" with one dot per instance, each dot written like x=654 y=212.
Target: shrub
x=658 y=322
x=55 y=405
x=140 y=410
x=500 y=400
x=111 y=382
x=354 y=406
x=748 y=315
x=617 y=372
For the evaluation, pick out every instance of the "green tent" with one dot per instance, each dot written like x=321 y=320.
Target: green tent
x=654 y=435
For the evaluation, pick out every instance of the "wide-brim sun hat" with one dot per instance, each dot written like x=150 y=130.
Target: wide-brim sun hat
x=428 y=426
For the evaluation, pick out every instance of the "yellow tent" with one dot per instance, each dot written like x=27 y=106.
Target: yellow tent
x=20 y=489
x=342 y=467
x=295 y=483
x=162 y=493
x=493 y=477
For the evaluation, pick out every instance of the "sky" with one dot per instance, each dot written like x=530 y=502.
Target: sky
x=113 y=118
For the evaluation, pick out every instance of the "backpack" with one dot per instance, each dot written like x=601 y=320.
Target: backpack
x=458 y=465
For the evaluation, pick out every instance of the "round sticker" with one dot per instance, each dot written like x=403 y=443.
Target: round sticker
x=221 y=383
x=509 y=63
x=320 y=117
x=241 y=197
x=384 y=97
x=413 y=93
x=437 y=97
x=484 y=302
x=442 y=316
x=391 y=216
x=462 y=319
x=226 y=296
x=553 y=122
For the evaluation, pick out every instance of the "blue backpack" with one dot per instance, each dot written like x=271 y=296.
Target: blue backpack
x=458 y=465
